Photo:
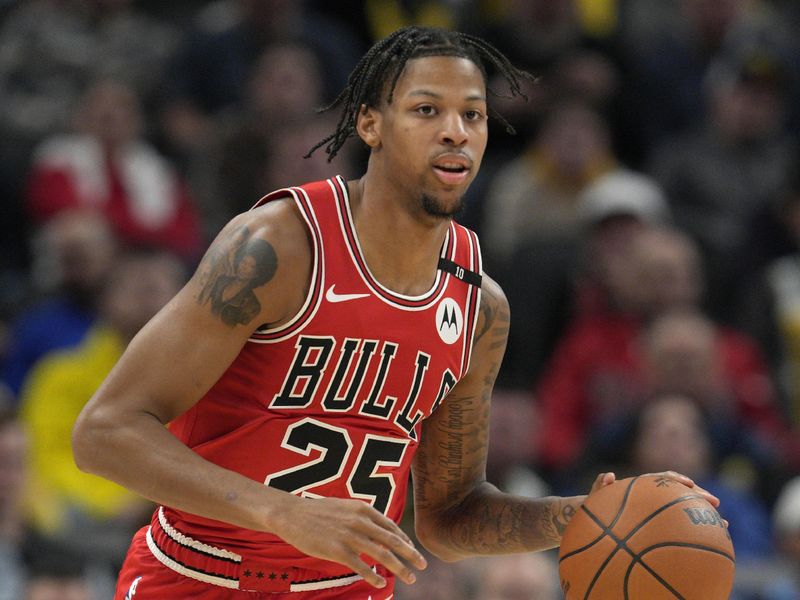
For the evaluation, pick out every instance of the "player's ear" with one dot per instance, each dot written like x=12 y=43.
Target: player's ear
x=368 y=126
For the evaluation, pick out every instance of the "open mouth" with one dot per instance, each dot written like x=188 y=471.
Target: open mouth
x=451 y=168
x=451 y=175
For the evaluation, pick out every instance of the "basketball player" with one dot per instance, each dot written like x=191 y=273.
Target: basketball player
x=334 y=338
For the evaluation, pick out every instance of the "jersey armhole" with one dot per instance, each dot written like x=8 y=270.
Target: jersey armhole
x=265 y=335
x=473 y=300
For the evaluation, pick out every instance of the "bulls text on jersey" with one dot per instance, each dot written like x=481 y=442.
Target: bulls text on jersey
x=313 y=354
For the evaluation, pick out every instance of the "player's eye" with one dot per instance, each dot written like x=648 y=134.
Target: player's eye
x=426 y=109
x=473 y=115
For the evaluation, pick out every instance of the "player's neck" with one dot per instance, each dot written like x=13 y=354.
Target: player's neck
x=401 y=250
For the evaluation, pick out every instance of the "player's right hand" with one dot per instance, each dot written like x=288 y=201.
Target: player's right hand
x=341 y=530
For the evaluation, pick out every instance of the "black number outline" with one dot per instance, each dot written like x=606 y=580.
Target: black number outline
x=363 y=481
x=369 y=461
x=297 y=439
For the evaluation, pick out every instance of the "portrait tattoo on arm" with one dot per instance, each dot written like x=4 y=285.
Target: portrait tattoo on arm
x=230 y=275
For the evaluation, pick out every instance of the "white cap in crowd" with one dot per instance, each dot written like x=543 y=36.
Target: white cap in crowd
x=624 y=192
x=786 y=516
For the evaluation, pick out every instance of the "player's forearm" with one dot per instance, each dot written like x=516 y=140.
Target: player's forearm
x=491 y=522
x=140 y=454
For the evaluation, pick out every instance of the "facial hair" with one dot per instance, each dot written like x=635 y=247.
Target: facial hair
x=434 y=208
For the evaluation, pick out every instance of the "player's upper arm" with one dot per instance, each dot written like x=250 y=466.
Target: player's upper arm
x=256 y=272
x=489 y=345
x=451 y=458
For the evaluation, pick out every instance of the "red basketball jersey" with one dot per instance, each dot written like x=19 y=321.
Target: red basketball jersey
x=331 y=403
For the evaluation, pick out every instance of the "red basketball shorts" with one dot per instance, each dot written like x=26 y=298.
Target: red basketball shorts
x=145 y=577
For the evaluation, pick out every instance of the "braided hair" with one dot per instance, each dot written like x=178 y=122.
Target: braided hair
x=384 y=63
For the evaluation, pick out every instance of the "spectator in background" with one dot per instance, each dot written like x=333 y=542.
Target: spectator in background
x=210 y=72
x=769 y=304
x=50 y=50
x=107 y=165
x=549 y=289
x=719 y=177
x=672 y=431
x=73 y=253
x=13 y=448
x=615 y=209
x=669 y=47
x=293 y=142
x=532 y=225
x=95 y=515
x=535 y=198
x=277 y=124
x=571 y=48
x=780 y=579
x=722 y=370
x=538 y=34
x=597 y=375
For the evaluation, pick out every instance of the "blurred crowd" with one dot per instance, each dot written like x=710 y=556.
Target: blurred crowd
x=644 y=222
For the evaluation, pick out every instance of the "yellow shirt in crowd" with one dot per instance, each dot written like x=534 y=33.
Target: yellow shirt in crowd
x=56 y=390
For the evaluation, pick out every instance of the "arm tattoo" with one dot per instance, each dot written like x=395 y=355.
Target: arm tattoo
x=232 y=273
x=484 y=521
x=487 y=317
x=494 y=317
x=494 y=523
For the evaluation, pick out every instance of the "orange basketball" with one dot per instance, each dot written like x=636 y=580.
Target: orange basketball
x=646 y=538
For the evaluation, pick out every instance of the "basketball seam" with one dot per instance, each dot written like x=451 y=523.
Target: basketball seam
x=602 y=526
x=661 y=509
x=622 y=543
x=688 y=545
x=639 y=559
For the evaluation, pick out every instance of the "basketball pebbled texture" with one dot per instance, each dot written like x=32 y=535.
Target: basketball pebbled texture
x=646 y=538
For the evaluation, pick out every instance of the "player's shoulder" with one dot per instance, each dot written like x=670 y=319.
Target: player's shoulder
x=266 y=254
x=492 y=295
x=278 y=222
x=494 y=313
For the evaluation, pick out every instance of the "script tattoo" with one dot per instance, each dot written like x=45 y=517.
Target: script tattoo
x=493 y=523
x=231 y=270
x=472 y=516
x=479 y=519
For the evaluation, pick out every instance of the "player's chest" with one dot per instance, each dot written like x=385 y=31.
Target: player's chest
x=391 y=372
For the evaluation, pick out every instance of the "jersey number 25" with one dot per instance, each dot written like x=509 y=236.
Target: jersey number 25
x=334 y=446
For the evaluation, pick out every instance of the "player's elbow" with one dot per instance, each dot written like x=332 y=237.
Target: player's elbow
x=87 y=440
x=434 y=540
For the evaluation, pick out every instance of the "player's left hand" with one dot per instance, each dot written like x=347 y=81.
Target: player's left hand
x=605 y=479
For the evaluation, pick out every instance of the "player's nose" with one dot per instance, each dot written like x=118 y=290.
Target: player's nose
x=454 y=131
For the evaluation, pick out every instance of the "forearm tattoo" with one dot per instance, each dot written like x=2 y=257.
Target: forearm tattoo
x=485 y=521
x=230 y=273
x=492 y=523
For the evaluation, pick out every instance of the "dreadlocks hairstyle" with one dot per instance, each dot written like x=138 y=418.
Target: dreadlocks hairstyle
x=384 y=63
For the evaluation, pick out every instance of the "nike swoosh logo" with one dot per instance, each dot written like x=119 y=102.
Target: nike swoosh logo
x=332 y=296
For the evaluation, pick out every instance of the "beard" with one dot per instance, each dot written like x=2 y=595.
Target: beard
x=434 y=208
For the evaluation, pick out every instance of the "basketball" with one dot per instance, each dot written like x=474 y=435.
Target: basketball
x=646 y=538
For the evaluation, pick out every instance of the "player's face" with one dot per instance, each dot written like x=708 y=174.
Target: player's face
x=434 y=133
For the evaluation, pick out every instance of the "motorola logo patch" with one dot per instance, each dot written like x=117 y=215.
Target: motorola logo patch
x=449 y=321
